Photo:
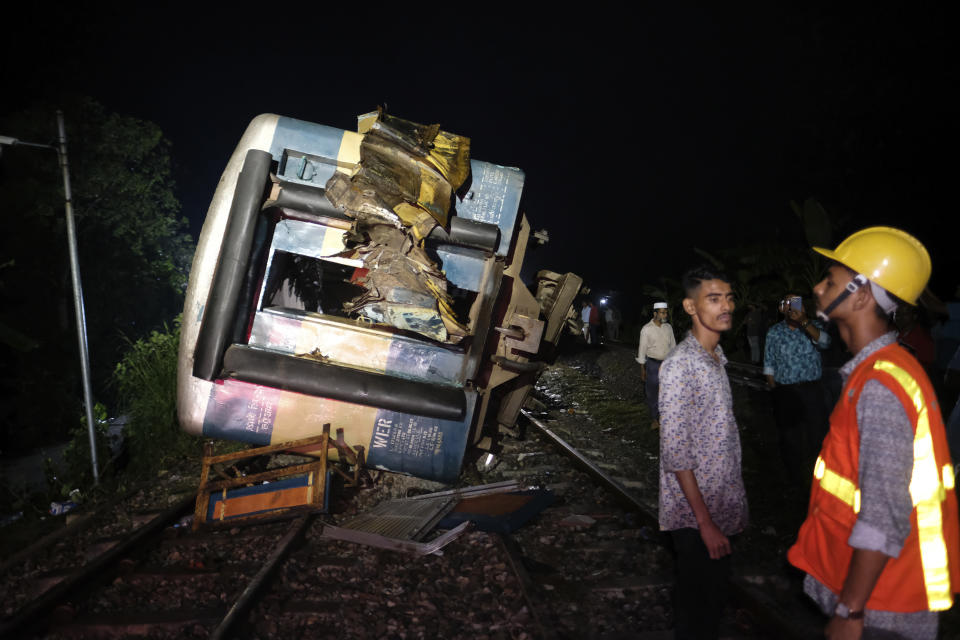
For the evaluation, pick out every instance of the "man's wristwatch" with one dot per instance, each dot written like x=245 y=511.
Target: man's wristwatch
x=843 y=611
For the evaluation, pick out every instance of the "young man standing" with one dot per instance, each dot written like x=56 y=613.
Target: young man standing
x=702 y=498
x=656 y=341
x=880 y=544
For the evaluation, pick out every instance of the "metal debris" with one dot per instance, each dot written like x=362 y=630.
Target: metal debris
x=403 y=519
x=414 y=517
x=505 y=486
x=404 y=187
x=382 y=542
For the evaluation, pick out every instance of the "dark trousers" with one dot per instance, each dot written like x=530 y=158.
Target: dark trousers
x=701 y=585
x=802 y=422
x=651 y=388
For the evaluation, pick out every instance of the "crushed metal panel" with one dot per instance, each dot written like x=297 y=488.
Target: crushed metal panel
x=501 y=513
x=555 y=293
x=346 y=342
x=403 y=519
x=449 y=153
x=413 y=518
x=409 y=177
x=392 y=544
x=504 y=486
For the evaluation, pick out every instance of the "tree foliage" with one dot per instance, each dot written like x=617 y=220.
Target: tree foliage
x=133 y=252
x=76 y=469
x=760 y=273
x=146 y=382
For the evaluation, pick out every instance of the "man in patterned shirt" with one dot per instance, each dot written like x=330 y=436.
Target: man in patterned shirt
x=702 y=498
x=791 y=364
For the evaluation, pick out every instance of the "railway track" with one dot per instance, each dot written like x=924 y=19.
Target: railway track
x=591 y=565
x=148 y=575
x=757 y=612
x=123 y=576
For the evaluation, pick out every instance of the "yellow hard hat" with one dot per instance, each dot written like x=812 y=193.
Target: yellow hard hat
x=888 y=257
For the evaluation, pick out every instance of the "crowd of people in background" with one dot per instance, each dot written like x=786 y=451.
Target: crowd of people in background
x=599 y=322
x=865 y=403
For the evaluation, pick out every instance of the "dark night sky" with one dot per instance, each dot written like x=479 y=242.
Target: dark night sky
x=642 y=137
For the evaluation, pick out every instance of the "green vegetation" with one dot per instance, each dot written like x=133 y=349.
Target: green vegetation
x=134 y=254
x=76 y=472
x=133 y=249
x=146 y=383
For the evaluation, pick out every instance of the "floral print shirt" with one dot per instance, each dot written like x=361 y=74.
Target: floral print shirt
x=699 y=432
x=791 y=356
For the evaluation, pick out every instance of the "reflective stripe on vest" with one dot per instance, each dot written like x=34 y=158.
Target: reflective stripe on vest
x=926 y=490
x=836 y=485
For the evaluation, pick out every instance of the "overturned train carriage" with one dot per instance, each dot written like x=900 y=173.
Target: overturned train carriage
x=285 y=328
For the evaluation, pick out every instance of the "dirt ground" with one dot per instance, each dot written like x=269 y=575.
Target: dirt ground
x=594 y=398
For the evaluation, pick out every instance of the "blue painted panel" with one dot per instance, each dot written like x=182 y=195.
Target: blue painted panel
x=463 y=267
x=238 y=416
x=423 y=447
x=274 y=485
x=303 y=238
x=425 y=361
x=494 y=198
x=307 y=152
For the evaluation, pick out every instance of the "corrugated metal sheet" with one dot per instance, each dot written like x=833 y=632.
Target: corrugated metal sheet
x=413 y=518
x=403 y=519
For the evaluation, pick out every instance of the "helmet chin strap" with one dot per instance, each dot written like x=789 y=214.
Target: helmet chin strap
x=858 y=281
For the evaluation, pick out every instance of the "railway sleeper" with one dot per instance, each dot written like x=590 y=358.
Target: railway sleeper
x=138 y=623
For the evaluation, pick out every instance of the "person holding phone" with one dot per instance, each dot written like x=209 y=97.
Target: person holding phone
x=792 y=367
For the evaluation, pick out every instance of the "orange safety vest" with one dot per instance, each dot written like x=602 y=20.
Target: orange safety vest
x=927 y=572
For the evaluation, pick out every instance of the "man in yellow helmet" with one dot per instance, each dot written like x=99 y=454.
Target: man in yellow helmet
x=880 y=544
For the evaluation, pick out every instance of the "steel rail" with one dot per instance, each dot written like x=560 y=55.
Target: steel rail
x=592 y=469
x=515 y=559
x=94 y=569
x=249 y=596
x=765 y=609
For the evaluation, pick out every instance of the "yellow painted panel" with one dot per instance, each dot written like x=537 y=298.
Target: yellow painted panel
x=344 y=344
x=348 y=156
x=301 y=416
x=332 y=242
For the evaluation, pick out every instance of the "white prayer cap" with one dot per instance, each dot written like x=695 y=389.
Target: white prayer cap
x=659 y=305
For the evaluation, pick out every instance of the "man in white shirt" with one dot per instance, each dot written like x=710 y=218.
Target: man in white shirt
x=585 y=319
x=656 y=341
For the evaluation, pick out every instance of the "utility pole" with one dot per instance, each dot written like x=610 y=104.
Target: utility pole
x=78 y=306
